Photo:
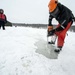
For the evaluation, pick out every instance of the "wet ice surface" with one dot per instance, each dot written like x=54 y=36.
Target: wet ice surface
x=46 y=49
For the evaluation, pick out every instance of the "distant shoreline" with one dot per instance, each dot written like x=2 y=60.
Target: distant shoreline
x=38 y=25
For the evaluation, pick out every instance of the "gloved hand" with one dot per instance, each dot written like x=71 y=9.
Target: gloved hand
x=50 y=33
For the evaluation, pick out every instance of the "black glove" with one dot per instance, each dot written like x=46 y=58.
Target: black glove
x=50 y=33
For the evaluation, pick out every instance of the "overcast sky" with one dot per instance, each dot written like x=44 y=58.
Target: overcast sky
x=30 y=11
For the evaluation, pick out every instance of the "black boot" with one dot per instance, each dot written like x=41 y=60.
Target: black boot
x=51 y=43
x=58 y=49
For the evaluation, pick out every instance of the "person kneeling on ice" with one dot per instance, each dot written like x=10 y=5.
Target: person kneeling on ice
x=65 y=18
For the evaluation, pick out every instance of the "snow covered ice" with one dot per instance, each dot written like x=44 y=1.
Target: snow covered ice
x=18 y=54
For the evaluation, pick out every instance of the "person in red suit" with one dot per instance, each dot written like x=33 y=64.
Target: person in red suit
x=3 y=19
x=65 y=18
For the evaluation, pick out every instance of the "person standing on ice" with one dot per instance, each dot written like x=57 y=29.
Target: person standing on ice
x=3 y=19
x=65 y=18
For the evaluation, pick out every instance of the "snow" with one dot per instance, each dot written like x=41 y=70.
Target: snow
x=18 y=54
